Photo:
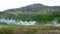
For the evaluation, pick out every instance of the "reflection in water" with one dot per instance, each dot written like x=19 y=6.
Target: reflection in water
x=20 y=22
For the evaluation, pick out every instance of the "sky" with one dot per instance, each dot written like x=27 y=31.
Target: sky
x=9 y=4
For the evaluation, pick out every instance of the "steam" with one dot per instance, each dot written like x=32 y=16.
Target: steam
x=20 y=22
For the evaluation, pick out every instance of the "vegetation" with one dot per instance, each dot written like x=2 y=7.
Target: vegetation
x=29 y=29
x=36 y=12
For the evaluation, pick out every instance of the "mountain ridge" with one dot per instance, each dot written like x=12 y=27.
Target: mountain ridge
x=30 y=10
x=36 y=6
x=34 y=12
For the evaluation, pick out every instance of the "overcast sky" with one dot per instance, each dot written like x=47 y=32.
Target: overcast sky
x=8 y=4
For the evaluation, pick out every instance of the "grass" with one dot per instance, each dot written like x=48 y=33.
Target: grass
x=16 y=29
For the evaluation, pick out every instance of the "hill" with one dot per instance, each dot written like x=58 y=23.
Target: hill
x=31 y=11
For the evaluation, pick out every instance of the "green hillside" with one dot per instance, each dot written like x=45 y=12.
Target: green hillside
x=37 y=12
